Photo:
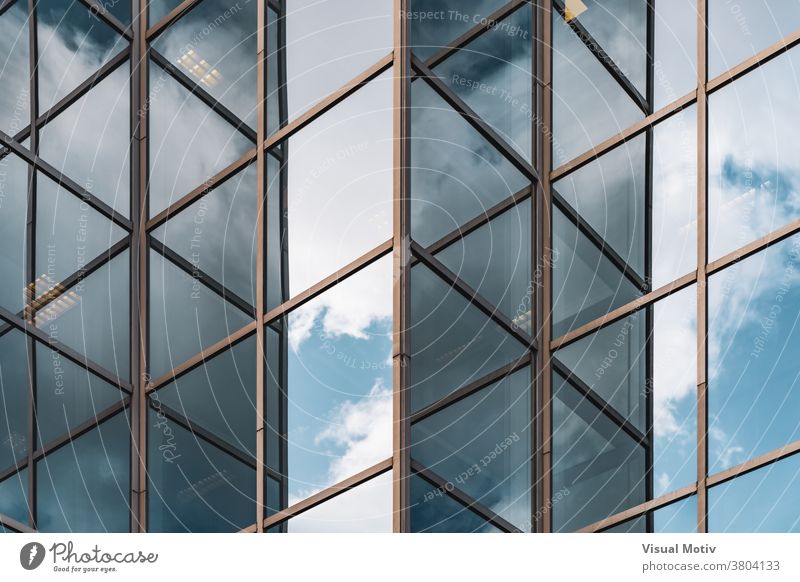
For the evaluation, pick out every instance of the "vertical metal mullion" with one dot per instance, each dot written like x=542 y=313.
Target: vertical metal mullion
x=536 y=247
x=30 y=256
x=702 y=262
x=139 y=265
x=401 y=357
x=261 y=76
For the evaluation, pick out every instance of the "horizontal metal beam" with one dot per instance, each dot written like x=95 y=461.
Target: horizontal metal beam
x=754 y=464
x=640 y=509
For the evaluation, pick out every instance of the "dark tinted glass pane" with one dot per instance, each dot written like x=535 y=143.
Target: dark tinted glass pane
x=189 y=142
x=69 y=233
x=586 y=283
x=329 y=42
x=85 y=485
x=482 y=446
x=589 y=105
x=752 y=181
x=339 y=186
x=13 y=213
x=598 y=470
x=120 y=9
x=495 y=261
x=277 y=284
x=89 y=141
x=675 y=67
x=492 y=75
x=680 y=517
x=273 y=497
x=453 y=342
x=738 y=30
x=217 y=234
x=434 y=512
x=15 y=110
x=194 y=486
x=434 y=24
x=73 y=44
x=754 y=346
x=336 y=352
x=219 y=396
x=274 y=398
x=609 y=194
x=364 y=509
x=66 y=394
x=276 y=112
x=456 y=175
x=762 y=501
x=158 y=9
x=223 y=63
x=93 y=317
x=185 y=316
x=14 y=402
x=14 y=496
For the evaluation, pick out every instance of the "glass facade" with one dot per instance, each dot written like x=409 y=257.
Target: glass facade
x=399 y=265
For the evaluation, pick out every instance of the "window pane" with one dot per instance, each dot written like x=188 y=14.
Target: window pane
x=194 y=486
x=89 y=142
x=217 y=234
x=762 y=501
x=433 y=511
x=14 y=497
x=85 y=485
x=14 y=402
x=15 y=109
x=158 y=9
x=13 y=213
x=680 y=517
x=336 y=353
x=364 y=509
x=339 y=186
x=223 y=62
x=675 y=67
x=185 y=316
x=752 y=169
x=753 y=345
x=452 y=342
x=328 y=43
x=738 y=30
x=481 y=445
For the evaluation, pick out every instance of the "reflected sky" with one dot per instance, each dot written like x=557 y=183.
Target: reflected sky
x=675 y=64
x=13 y=213
x=14 y=70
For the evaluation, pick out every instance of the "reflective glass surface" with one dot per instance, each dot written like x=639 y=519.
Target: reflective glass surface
x=89 y=142
x=338 y=187
x=14 y=496
x=158 y=9
x=335 y=352
x=364 y=509
x=223 y=62
x=675 y=66
x=194 y=486
x=14 y=401
x=85 y=485
x=433 y=511
x=481 y=446
x=456 y=175
x=680 y=517
x=762 y=501
x=328 y=42
x=738 y=30
x=93 y=316
x=753 y=349
x=67 y=395
x=73 y=44
x=189 y=142
x=15 y=109
x=752 y=171
x=13 y=213
x=453 y=343
x=495 y=260
x=185 y=316
x=217 y=234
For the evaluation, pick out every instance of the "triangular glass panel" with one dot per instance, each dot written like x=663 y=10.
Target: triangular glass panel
x=120 y=9
x=488 y=430
x=433 y=511
x=589 y=105
x=13 y=216
x=492 y=75
x=15 y=107
x=88 y=141
x=73 y=44
x=14 y=401
x=217 y=234
x=14 y=496
x=158 y=9
x=185 y=316
x=455 y=173
x=67 y=394
x=219 y=396
x=495 y=260
x=189 y=142
x=93 y=316
x=224 y=63
x=453 y=343
x=69 y=234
